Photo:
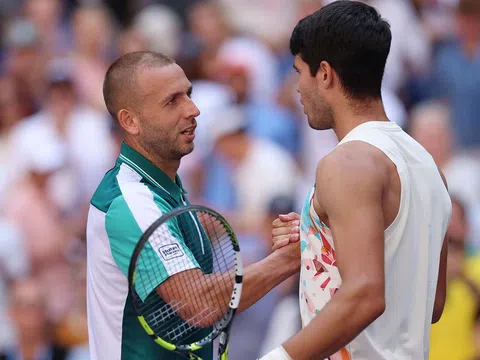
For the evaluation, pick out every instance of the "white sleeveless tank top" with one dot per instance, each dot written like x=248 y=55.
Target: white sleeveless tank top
x=412 y=253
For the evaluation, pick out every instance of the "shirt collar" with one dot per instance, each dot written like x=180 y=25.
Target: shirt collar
x=151 y=173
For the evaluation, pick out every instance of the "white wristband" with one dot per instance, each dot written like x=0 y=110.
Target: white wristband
x=277 y=354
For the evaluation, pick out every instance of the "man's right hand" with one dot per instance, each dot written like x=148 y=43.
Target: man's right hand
x=286 y=229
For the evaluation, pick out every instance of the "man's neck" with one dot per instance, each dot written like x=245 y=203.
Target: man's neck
x=169 y=167
x=351 y=115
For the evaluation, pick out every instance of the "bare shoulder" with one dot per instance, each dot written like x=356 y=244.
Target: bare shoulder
x=351 y=163
x=352 y=176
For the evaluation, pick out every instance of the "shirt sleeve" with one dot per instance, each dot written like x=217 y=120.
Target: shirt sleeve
x=165 y=253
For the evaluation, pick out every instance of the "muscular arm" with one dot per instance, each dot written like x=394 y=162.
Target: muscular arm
x=351 y=186
x=211 y=294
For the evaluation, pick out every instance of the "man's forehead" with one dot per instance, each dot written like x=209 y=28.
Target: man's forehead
x=162 y=80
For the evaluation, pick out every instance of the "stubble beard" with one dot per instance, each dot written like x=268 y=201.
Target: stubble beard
x=321 y=116
x=162 y=147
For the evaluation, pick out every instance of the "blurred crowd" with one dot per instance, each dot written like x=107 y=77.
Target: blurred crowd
x=255 y=154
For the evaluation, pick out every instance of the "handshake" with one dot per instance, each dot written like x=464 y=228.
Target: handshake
x=286 y=230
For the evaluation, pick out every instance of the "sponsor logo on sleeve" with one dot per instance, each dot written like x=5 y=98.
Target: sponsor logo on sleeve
x=170 y=251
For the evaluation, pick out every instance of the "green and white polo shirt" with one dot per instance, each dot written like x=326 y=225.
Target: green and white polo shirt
x=129 y=199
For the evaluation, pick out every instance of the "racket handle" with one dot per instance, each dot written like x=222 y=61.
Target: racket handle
x=192 y=356
x=224 y=355
x=189 y=356
x=223 y=345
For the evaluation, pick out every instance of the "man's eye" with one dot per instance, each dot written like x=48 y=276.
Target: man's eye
x=171 y=102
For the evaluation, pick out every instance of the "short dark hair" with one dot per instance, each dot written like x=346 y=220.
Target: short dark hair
x=353 y=38
x=121 y=76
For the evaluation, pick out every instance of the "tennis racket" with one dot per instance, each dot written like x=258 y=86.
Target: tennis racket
x=200 y=277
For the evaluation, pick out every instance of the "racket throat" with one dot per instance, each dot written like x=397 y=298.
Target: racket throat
x=196 y=225
x=189 y=355
x=192 y=356
x=223 y=343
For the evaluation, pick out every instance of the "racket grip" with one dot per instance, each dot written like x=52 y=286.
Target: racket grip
x=223 y=346
x=224 y=355
x=192 y=356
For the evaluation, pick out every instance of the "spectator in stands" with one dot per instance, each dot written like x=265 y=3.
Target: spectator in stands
x=265 y=118
x=283 y=319
x=430 y=125
x=28 y=311
x=82 y=132
x=11 y=111
x=161 y=28
x=24 y=61
x=47 y=17
x=453 y=336
x=250 y=327
x=93 y=43
x=28 y=205
x=246 y=172
x=477 y=336
x=14 y=263
x=71 y=331
x=410 y=50
x=208 y=25
x=457 y=75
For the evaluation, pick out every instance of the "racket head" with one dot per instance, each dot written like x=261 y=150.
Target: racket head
x=219 y=262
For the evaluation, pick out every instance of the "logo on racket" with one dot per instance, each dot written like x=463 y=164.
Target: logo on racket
x=170 y=251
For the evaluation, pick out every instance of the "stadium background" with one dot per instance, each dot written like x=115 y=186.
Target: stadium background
x=255 y=155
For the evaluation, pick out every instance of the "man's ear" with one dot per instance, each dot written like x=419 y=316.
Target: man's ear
x=325 y=75
x=129 y=121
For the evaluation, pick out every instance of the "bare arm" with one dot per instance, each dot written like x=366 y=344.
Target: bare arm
x=441 y=292
x=351 y=186
x=211 y=293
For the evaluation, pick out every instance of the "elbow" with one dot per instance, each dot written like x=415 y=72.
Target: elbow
x=200 y=315
x=377 y=307
x=370 y=299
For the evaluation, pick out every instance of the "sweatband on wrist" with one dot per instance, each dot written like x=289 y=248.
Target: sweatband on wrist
x=277 y=354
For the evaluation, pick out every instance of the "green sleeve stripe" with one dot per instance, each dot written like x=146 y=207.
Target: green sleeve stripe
x=123 y=233
x=128 y=218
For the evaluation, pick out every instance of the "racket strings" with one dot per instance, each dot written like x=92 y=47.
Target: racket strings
x=193 y=298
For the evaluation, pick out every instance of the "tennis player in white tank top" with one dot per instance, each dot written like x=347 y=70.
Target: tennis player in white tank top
x=372 y=229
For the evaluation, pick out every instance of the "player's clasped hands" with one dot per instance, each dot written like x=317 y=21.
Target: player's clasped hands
x=286 y=230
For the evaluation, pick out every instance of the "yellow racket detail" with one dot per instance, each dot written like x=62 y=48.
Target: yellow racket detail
x=165 y=344
x=183 y=254
x=147 y=328
x=195 y=347
x=224 y=356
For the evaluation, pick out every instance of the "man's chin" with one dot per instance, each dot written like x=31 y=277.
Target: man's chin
x=187 y=150
x=315 y=126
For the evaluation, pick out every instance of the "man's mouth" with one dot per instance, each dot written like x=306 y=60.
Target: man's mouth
x=189 y=131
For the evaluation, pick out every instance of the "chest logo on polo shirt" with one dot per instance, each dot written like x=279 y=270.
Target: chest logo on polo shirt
x=170 y=251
